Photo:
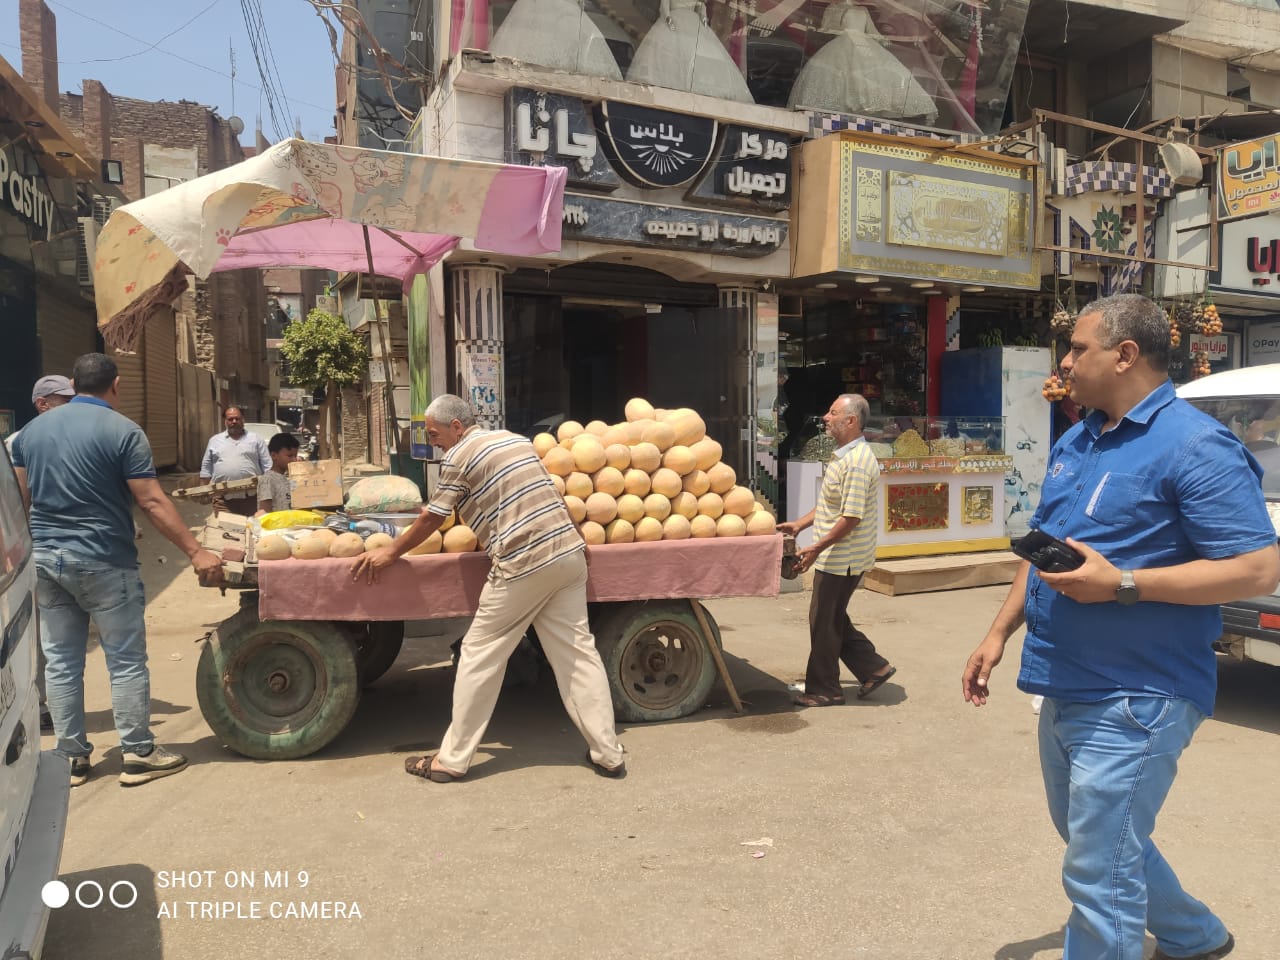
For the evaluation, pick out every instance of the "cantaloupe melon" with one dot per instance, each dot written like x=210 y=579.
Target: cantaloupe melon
x=634 y=430
x=346 y=545
x=685 y=505
x=702 y=526
x=657 y=506
x=601 y=508
x=566 y=443
x=722 y=478
x=648 y=530
x=377 y=541
x=578 y=485
x=761 y=524
x=740 y=502
x=731 y=525
x=680 y=459
x=325 y=534
x=543 y=442
x=588 y=454
x=559 y=461
x=707 y=452
x=676 y=527
x=710 y=505
x=608 y=480
x=273 y=547
x=428 y=546
x=568 y=430
x=689 y=428
x=660 y=435
x=618 y=456
x=577 y=508
x=638 y=408
x=618 y=433
x=451 y=519
x=696 y=482
x=558 y=483
x=596 y=427
x=620 y=531
x=630 y=507
x=637 y=482
x=310 y=547
x=659 y=413
x=460 y=539
x=666 y=482
x=592 y=533
x=646 y=457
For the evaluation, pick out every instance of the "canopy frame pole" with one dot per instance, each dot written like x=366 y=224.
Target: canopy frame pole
x=390 y=422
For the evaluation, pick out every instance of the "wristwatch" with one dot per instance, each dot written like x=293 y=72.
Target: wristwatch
x=1127 y=592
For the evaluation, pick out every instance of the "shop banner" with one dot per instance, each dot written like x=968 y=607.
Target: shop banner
x=1264 y=343
x=1249 y=178
x=1249 y=257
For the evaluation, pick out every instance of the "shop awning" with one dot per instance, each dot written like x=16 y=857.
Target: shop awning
x=59 y=152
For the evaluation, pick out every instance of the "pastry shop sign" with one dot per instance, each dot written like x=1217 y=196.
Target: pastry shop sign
x=25 y=195
x=604 y=144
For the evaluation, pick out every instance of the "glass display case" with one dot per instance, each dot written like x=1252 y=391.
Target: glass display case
x=919 y=437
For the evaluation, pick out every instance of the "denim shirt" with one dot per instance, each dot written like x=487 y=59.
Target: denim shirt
x=1166 y=485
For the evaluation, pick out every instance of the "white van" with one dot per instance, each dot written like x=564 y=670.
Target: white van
x=34 y=785
x=1247 y=401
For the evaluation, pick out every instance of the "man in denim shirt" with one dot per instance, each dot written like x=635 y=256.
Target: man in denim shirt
x=1166 y=507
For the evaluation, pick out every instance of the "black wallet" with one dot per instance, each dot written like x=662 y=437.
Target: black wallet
x=1048 y=553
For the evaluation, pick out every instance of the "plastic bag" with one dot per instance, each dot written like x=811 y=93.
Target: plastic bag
x=283 y=519
x=385 y=494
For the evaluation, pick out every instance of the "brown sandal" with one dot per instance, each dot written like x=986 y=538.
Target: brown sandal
x=421 y=767
x=816 y=700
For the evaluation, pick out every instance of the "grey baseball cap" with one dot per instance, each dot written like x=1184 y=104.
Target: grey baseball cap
x=52 y=386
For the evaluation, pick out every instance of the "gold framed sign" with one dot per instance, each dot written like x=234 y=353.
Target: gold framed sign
x=917 y=506
x=948 y=214
x=977 y=506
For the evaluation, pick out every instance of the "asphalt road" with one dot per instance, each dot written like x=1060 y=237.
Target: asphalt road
x=907 y=826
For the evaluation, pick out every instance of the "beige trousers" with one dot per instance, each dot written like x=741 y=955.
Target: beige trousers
x=554 y=600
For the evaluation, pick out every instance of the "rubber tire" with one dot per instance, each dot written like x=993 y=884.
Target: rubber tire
x=614 y=629
x=239 y=642
x=378 y=643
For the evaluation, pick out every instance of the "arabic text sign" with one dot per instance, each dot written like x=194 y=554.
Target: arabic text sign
x=485 y=385
x=1249 y=178
x=947 y=214
x=1214 y=347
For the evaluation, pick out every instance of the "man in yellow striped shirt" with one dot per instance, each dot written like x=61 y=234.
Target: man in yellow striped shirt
x=844 y=548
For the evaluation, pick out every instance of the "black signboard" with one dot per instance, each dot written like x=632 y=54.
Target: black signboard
x=549 y=129
x=654 y=148
x=752 y=168
x=670 y=228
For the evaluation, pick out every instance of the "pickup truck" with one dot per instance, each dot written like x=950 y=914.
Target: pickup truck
x=1247 y=401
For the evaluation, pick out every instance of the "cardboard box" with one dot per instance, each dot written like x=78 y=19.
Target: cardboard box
x=316 y=483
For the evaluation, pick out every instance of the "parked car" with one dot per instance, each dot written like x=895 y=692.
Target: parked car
x=34 y=785
x=1247 y=401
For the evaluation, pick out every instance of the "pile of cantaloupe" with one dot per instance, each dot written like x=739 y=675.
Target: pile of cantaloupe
x=318 y=544
x=655 y=476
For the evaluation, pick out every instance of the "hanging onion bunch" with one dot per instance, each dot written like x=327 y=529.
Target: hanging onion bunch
x=1053 y=388
x=1212 y=321
x=1062 y=322
x=1175 y=332
x=1200 y=365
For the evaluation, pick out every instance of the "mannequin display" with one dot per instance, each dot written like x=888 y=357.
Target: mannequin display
x=681 y=52
x=556 y=34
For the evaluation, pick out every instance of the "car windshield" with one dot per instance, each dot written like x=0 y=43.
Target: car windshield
x=1256 y=421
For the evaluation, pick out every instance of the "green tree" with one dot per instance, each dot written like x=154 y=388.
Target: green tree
x=322 y=351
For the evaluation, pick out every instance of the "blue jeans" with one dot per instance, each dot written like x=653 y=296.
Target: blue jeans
x=1108 y=767
x=73 y=589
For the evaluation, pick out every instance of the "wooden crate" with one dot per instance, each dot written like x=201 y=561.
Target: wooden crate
x=954 y=572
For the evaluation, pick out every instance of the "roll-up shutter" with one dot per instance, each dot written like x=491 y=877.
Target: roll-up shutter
x=160 y=362
x=67 y=330
x=133 y=393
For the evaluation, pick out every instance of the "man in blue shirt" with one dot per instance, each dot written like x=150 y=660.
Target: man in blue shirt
x=1166 y=507
x=235 y=454
x=81 y=468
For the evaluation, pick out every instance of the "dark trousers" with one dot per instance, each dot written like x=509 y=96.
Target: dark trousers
x=245 y=506
x=834 y=639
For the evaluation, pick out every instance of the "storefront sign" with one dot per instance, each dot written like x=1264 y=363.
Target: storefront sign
x=654 y=148
x=1264 y=343
x=25 y=195
x=905 y=209
x=548 y=128
x=1249 y=257
x=671 y=228
x=752 y=168
x=292 y=397
x=1249 y=178
x=1214 y=347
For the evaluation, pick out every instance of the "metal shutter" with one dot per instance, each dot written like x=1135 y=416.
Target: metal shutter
x=67 y=329
x=133 y=392
x=160 y=362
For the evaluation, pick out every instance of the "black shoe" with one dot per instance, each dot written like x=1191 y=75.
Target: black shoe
x=46 y=720
x=1221 y=951
x=613 y=773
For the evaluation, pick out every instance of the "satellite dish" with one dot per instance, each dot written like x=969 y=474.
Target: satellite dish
x=1180 y=160
x=236 y=125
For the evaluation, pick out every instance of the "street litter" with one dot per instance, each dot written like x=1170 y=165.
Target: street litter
x=175 y=656
x=762 y=842
x=757 y=854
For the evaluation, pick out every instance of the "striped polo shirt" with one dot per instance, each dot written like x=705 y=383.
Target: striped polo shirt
x=497 y=483
x=850 y=488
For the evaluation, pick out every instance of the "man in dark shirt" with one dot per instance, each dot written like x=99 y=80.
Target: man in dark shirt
x=1166 y=507
x=81 y=468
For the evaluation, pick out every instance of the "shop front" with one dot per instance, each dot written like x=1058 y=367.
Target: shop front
x=1245 y=291
x=921 y=230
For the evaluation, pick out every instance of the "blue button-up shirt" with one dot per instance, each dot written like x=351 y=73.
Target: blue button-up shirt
x=229 y=459
x=1166 y=485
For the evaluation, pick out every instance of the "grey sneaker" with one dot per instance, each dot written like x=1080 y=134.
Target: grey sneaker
x=79 y=770
x=137 y=769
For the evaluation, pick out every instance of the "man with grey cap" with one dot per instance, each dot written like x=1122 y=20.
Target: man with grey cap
x=49 y=392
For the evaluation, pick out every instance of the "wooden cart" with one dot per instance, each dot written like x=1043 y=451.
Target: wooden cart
x=282 y=677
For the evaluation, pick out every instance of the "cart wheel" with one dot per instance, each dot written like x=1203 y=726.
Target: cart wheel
x=659 y=667
x=378 y=644
x=277 y=690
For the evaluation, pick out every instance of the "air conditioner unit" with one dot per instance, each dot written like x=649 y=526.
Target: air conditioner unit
x=1180 y=160
x=86 y=249
x=103 y=207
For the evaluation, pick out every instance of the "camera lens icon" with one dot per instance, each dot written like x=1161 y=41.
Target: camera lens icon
x=89 y=894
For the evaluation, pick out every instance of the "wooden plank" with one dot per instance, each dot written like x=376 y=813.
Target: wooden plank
x=925 y=574
x=714 y=647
